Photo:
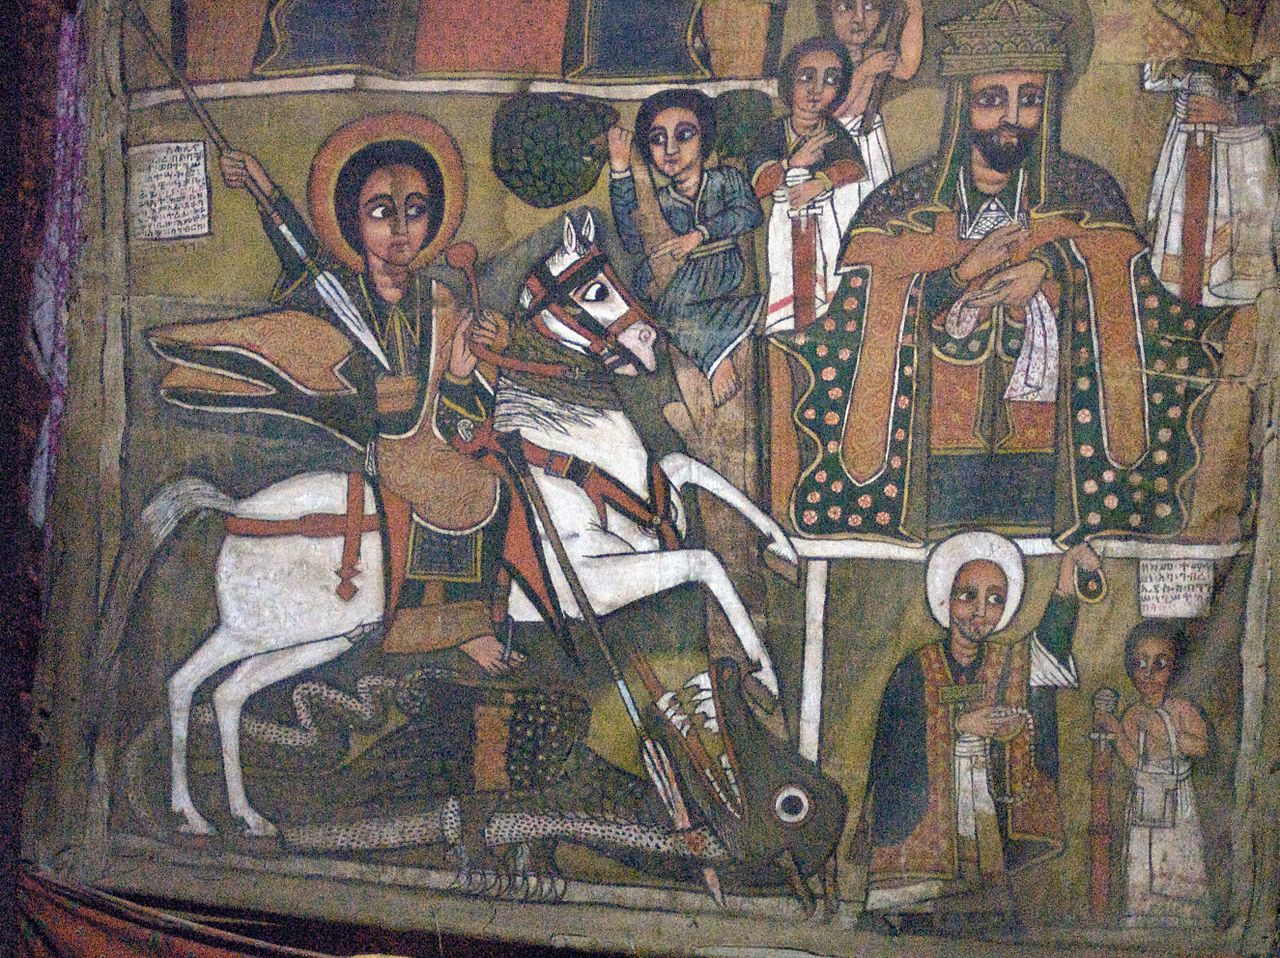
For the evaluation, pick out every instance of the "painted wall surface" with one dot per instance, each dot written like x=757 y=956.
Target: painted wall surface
x=530 y=498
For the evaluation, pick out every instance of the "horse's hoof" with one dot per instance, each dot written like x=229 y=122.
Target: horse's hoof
x=759 y=695
x=255 y=826
x=191 y=829
x=781 y=561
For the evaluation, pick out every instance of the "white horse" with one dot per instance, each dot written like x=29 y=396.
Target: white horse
x=619 y=561
x=279 y=614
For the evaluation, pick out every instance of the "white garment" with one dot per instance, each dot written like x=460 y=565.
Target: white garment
x=1165 y=881
x=822 y=214
x=1244 y=192
x=874 y=147
x=1035 y=372
x=832 y=212
x=972 y=784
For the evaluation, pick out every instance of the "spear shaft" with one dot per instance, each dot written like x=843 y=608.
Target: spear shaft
x=326 y=284
x=655 y=759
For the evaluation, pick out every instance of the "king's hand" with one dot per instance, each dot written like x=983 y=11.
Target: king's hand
x=991 y=252
x=1081 y=555
x=1013 y=287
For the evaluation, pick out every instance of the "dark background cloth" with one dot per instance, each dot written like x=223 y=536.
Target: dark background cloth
x=614 y=39
x=29 y=82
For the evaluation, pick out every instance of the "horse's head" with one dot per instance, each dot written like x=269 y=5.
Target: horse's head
x=575 y=299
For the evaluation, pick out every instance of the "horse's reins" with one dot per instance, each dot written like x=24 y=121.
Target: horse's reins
x=549 y=293
x=512 y=449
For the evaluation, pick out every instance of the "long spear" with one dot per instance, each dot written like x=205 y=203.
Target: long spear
x=326 y=284
x=656 y=761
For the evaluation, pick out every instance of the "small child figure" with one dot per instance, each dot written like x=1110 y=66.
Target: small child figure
x=1164 y=872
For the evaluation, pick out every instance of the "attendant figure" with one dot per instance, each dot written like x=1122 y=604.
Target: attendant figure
x=809 y=164
x=867 y=28
x=688 y=230
x=1158 y=738
x=962 y=790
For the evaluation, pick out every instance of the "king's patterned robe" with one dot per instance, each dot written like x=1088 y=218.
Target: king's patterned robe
x=888 y=424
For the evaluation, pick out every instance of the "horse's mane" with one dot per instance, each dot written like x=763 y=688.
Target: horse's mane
x=518 y=408
x=596 y=389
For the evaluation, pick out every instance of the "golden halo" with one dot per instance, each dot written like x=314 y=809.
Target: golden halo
x=347 y=141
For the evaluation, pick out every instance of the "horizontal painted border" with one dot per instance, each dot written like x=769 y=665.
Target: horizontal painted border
x=1035 y=546
x=338 y=82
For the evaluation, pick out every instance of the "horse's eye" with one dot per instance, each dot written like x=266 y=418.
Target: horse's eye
x=594 y=292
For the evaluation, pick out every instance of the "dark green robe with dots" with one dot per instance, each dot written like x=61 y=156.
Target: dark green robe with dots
x=903 y=432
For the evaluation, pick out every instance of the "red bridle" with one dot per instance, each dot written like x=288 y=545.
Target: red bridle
x=554 y=294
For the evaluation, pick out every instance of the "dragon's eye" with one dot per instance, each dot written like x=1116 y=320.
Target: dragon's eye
x=792 y=805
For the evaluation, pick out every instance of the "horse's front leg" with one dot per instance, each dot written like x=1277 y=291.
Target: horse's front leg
x=253 y=675
x=613 y=581
x=682 y=469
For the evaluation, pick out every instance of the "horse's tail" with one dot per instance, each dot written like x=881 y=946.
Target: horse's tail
x=163 y=514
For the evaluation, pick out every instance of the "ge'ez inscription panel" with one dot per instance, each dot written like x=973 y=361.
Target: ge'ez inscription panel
x=168 y=191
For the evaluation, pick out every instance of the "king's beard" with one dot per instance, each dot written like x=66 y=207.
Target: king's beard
x=1001 y=156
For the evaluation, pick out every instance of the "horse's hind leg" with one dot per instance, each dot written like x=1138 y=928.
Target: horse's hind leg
x=220 y=649
x=253 y=675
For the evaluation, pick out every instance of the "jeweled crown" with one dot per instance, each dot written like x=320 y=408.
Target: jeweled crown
x=1003 y=35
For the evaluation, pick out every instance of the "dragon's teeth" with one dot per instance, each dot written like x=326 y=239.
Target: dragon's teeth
x=700 y=681
x=665 y=701
x=728 y=774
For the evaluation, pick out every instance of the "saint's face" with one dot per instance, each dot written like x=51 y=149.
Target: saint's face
x=854 y=21
x=1005 y=112
x=978 y=597
x=394 y=214
x=818 y=77
x=1151 y=665
x=675 y=142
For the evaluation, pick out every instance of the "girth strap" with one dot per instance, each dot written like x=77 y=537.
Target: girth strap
x=605 y=489
x=350 y=525
x=351 y=537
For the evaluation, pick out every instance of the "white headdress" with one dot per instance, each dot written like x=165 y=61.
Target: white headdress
x=950 y=555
